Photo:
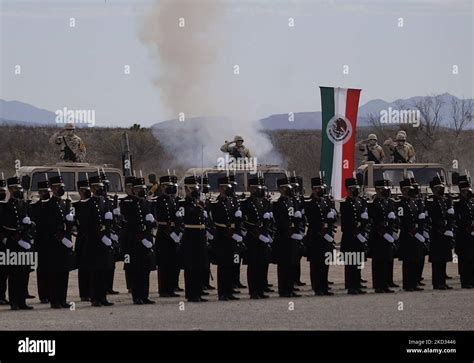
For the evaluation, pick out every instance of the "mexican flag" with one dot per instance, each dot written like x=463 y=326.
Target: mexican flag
x=339 y=119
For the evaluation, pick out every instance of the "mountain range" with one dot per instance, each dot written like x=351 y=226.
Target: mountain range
x=16 y=112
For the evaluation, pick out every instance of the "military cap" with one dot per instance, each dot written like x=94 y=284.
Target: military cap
x=168 y=179
x=69 y=126
x=406 y=183
x=382 y=183
x=238 y=138
x=414 y=182
x=104 y=178
x=43 y=185
x=464 y=182
x=437 y=182
x=296 y=180
x=256 y=182
x=372 y=137
x=56 y=180
x=83 y=184
x=225 y=180
x=129 y=180
x=3 y=184
x=283 y=182
x=191 y=180
x=317 y=182
x=351 y=182
x=139 y=182
x=401 y=135
x=95 y=180
x=14 y=182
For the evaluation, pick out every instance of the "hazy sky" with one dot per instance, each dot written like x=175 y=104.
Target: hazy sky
x=82 y=67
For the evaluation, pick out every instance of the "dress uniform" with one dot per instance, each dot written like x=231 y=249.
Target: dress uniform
x=205 y=202
x=412 y=241
x=140 y=256
x=257 y=216
x=236 y=267
x=3 y=242
x=194 y=239
x=38 y=211
x=464 y=209
x=168 y=238
x=58 y=222
x=124 y=242
x=441 y=212
x=17 y=226
x=97 y=256
x=321 y=217
x=225 y=215
x=288 y=238
x=354 y=225
x=381 y=238
x=299 y=203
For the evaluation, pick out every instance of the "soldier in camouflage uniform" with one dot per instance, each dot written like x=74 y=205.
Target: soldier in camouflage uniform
x=402 y=151
x=71 y=146
x=371 y=149
x=238 y=150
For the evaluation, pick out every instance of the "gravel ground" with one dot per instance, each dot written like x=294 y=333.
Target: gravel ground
x=431 y=310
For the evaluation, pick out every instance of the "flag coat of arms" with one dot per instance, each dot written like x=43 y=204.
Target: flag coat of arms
x=339 y=108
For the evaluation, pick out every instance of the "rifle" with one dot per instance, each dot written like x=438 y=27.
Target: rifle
x=371 y=156
x=68 y=153
x=397 y=157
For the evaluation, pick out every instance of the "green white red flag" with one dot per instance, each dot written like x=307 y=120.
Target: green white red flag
x=339 y=108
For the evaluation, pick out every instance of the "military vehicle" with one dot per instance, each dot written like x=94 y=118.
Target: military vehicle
x=71 y=173
x=423 y=173
x=271 y=174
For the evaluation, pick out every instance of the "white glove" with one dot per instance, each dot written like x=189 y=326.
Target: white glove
x=426 y=213
x=70 y=217
x=149 y=218
x=66 y=242
x=421 y=216
x=114 y=237
x=24 y=244
x=328 y=238
x=391 y=215
x=419 y=237
x=297 y=214
x=147 y=243
x=106 y=241
x=108 y=216
x=266 y=215
x=26 y=220
x=271 y=239
x=243 y=232
x=237 y=238
x=205 y=214
x=209 y=236
x=449 y=233
x=178 y=214
x=271 y=215
x=451 y=210
x=472 y=234
x=394 y=235
x=175 y=237
x=297 y=236
x=116 y=211
x=426 y=235
x=302 y=211
x=364 y=215
x=238 y=213
x=4 y=241
x=331 y=215
x=361 y=238
x=32 y=241
x=264 y=238
x=388 y=238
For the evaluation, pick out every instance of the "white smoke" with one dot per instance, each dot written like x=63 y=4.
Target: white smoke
x=188 y=40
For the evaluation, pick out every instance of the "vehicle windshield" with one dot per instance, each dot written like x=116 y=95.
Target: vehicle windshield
x=68 y=178
x=423 y=176
x=115 y=180
x=213 y=177
x=271 y=180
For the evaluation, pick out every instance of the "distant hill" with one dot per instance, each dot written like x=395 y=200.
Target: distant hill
x=16 y=112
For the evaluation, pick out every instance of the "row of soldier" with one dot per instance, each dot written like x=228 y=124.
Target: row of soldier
x=171 y=234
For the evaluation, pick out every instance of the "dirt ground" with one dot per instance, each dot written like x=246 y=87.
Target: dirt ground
x=429 y=309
